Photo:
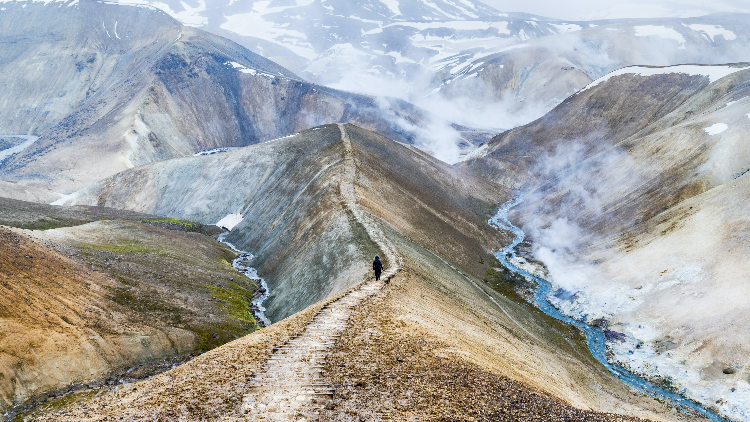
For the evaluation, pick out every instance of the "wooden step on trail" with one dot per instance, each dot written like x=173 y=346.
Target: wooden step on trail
x=291 y=386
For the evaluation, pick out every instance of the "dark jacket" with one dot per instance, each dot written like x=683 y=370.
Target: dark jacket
x=377 y=266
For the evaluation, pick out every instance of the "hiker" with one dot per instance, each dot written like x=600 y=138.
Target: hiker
x=377 y=266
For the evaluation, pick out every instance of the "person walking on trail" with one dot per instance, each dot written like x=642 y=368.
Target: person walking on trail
x=377 y=266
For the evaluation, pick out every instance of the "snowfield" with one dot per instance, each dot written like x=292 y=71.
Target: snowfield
x=659 y=31
x=716 y=128
x=712 y=31
x=229 y=221
x=713 y=73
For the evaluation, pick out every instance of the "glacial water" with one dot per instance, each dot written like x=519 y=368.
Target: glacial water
x=242 y=264
x=594 y=336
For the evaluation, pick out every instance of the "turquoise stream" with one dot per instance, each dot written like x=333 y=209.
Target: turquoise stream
x=594 y=336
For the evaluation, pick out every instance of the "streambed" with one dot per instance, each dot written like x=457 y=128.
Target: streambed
x=595 y=337
x=242 y=264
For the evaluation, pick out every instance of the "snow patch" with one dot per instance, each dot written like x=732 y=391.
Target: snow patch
x=714 y=73
x=659 y=31
x=284 y=137
x=735 y=102
x=245 y=69
x=716 y=128
x=393 y=5
x=502 y=27
x=566 y=27
x=254 y=24
x=213 y=151
x=229 y=221
x=711 y=31
x=18 y=148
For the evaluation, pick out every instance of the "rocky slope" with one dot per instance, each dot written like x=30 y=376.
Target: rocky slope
x=288 y=196
x=633 y=191
x=86 y=301
x=123 y=86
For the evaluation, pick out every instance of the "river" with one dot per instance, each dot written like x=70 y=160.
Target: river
x=242 y=264
x=594 y=336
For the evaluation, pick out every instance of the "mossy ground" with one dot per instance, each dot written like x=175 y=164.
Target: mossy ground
x=160 y=280
x=164 y=283
x=54 y=405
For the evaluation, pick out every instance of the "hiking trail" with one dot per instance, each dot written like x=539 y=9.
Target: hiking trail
x=290 y=386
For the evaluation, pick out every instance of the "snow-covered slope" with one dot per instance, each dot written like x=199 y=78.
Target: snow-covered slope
x=480 y=66
x=107 y=87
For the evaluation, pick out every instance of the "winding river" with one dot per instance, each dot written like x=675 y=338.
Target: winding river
x=594 y=336
x=242 y=264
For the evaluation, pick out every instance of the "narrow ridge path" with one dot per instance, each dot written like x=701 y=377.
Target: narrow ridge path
x=291 y=386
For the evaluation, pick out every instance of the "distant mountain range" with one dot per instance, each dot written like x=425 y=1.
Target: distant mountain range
x=108 y=87
x=476 y=65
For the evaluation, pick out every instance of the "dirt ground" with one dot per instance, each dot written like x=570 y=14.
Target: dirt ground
x=206 y=388
x=382 y=369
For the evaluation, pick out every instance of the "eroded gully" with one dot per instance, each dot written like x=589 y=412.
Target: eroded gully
x=594 y=336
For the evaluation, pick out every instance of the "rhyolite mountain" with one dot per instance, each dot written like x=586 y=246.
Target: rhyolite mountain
x=635 y=195
x=502 y=69
x=287 y=192
x=109 y=87
x=310 y=245
x=92 y=296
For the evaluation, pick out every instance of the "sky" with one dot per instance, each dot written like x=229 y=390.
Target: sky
x=613 y=9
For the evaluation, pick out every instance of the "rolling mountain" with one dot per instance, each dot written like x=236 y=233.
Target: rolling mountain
x=287 y=192
x=92 y=296
x=314 y=209
x=633 y=195
x=470 y=63
x=124 y=86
